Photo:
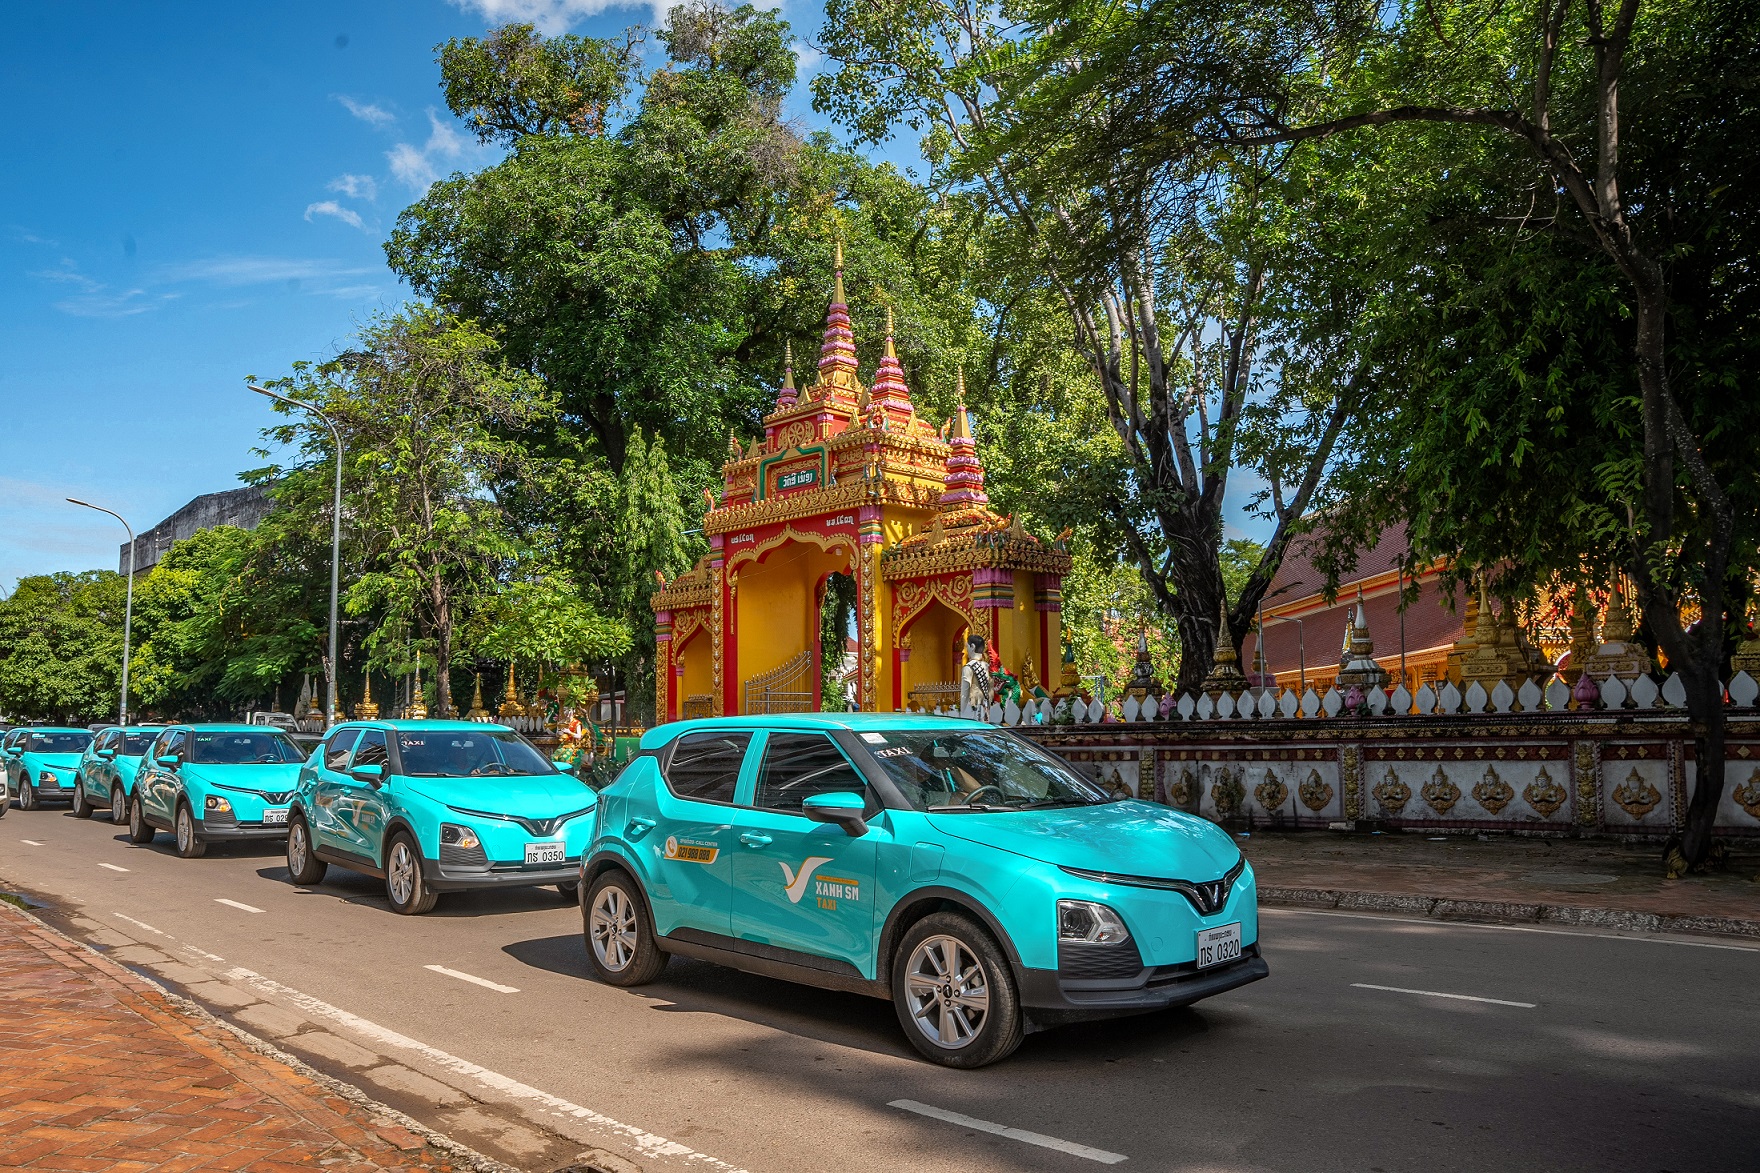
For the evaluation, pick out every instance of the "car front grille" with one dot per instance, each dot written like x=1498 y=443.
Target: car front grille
x=454 y=856
x=1206 y=896
x=1085 y=963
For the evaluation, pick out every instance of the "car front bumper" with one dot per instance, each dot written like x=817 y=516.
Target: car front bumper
x=442 y=878
x=215 y=830
x=1049 y=999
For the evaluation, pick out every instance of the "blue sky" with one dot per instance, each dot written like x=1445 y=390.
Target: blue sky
x=195 y=193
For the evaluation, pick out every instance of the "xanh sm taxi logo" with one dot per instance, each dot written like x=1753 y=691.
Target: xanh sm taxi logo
x=827 y=890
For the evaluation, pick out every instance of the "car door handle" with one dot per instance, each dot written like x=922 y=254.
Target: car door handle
x=639 y=827
x=753 y=840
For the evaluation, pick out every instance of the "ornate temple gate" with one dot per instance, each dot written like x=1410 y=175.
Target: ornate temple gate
x=846 y=479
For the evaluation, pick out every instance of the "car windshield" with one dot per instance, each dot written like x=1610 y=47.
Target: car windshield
x=136 y=743
x=241 y=749
x=58 y=742
x=436 y=754
x=974 y=770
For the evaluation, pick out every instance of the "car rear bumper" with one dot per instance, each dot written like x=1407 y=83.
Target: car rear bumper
x=460 y=879
x=1049 y=999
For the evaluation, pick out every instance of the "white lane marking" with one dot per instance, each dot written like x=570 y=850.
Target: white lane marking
x=112 y=867
x=473 y=979
x=141 y=924
x=1020 y=1134
x=1444 y=924
x=202 y=953
x=648 y=1143
x=1440 y=994
x=235 y=904
x=33 y=843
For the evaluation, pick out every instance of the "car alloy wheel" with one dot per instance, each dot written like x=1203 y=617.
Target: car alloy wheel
x=188 y=845
x=118 y=807
x=27 y=796
x=611 y=925
x=400 y=877
x=82 y=806
x=139 y=830
x=948 y=991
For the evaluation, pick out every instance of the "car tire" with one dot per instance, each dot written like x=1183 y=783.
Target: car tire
x=405 y=885
x=139 y=830
x=621 y=950
x=954 y=993
x=82 y=806
x=189 y=843
x=27 y=796
x=118 y=806
x=303 y=867
x=569 y=892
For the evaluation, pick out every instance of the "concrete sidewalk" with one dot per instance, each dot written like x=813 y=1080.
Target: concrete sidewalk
x=105 y=1071
x=1558 y=881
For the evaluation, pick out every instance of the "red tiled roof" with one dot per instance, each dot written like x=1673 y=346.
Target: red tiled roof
x=1428 y=624
x=1297 y=577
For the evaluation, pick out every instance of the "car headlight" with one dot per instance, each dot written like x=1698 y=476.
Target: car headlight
x=454 y=835
x=216 y=806
x=1087 y=923
x=47 y=777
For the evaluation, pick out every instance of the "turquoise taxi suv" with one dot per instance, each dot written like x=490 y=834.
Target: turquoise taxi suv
x=206 y=783
x=437 y=806
x=105 y=778
x=954 y=868
x=41 y=763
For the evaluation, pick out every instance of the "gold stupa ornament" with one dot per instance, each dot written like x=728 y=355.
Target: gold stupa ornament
x=1747 y=655
x=510 y=706
x=418 y=705
x=366 y=710
x=1617 y=654
x=478 y=712
x=1225 y=672
x=1357 y=664
x=1582 y=634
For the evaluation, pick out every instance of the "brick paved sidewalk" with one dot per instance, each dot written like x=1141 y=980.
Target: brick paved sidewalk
x=1564 y=880
x=99 y=1070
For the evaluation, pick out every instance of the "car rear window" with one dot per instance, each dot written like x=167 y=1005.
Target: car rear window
x=705 y=766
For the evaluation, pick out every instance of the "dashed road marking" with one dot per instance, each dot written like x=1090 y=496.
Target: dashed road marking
x=141 y=924
x=33 y=843
x=1020 y=1134
x=235 y=904
x=1637 y=935
x=112 y=867
x=1440 y=994
x=473 y=979
x=646 y=1143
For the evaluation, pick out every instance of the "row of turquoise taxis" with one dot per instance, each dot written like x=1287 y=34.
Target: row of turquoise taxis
x=976 y=881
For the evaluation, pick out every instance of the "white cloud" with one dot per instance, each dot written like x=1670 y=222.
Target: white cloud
x=95 y=299
x=322 y=277
x=418 y=166
x=551 y=16
x=332 y=208
x=367 y=112
x=356 y=187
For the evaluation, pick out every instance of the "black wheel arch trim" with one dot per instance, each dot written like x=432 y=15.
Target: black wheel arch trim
x=892 y=932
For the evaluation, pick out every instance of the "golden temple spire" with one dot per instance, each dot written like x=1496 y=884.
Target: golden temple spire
x=890 y=352
x=961 y=428
x=787 y=397
x=837 y=292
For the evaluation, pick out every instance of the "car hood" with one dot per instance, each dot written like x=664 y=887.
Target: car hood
x=274 y=778
x=1127 y=838
x=537 y=796
x=53 y=761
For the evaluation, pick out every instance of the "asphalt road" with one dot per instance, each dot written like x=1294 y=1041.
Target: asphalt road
x=1588 y=1051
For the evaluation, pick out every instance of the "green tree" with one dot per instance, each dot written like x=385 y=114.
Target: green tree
x=61 y=646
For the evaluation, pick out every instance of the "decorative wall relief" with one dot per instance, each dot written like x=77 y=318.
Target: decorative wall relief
x=1315 y=793
x=1392 y=794
x=1747 y=795
x=1440 y=793
x=1586 y=766
x=1350 y=776
x=1544 y=795
x=1271 y=793
x=1180 y=792
x=1636 y=796
x=1227 y=793
x=1492 y=792
x=1116 y=785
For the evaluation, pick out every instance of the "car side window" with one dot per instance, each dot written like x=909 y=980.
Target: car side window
x=705 y=766
x=102 y=742
x=797 y=766
x=371 y=751
x=337 y=750
x=173 y=743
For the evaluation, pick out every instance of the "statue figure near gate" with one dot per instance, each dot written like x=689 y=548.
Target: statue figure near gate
x=974 y=680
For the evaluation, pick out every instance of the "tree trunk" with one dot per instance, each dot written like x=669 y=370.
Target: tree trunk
x=1706 y=712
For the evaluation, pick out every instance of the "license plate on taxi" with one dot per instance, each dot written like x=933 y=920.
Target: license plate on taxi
x=274 y=816
x=1219 y=945
x=544 y=853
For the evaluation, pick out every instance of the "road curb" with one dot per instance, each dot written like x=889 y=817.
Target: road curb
x=1506 y=911
x=466 y=1156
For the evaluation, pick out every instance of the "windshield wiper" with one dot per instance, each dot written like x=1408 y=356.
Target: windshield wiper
x=972 y=806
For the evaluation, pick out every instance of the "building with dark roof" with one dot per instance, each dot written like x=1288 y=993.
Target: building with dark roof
x=243 y=507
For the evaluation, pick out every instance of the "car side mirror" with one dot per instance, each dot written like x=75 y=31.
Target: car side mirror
x=168 y=760
x=107 y=754
x=563 y=767
x=842 y=807
x=371 y=775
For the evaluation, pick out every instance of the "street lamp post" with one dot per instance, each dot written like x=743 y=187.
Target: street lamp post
x=330 y=663
x=128 y=607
